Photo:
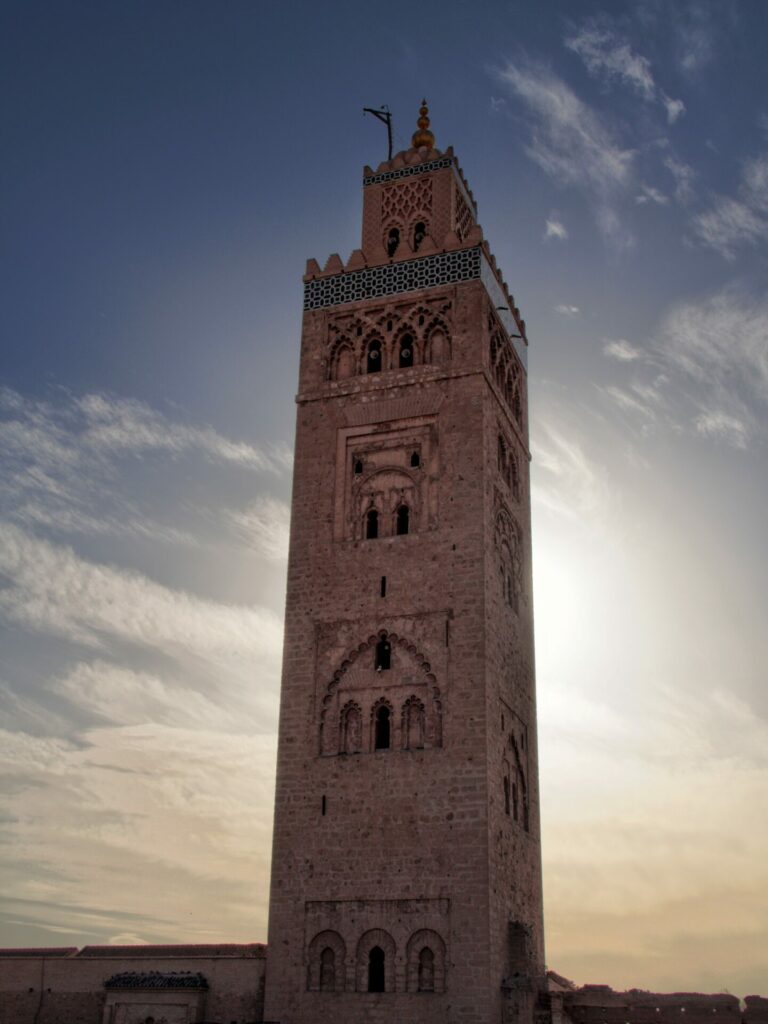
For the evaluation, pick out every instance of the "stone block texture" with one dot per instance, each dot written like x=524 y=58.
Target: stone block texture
x=406 y=879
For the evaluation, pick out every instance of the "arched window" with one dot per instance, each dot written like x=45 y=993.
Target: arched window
x=383 y=654
x=393 y=240
x=376 y=972
x=381 y=741
x=371 y=524
x=406 y=351
x=438 y=349
x=345 y=363
x=426 y=970
x=358 y=467
x=351 y=729
x=413 y=724
x=373 y=358
x=419 y=234
x=327 y=970
x=415 y=460
x=403 y=520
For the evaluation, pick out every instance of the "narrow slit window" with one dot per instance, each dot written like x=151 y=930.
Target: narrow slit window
x=358 y=467
x=327 y=970
x=373 y=359
x=415 y=460
x=383 y=656
x=406 y=351
x=372 y=525
x=376 y=972
x=383 y=728
x=403 y=520
x=323 y=806
x=383 y=588
x=426 y=970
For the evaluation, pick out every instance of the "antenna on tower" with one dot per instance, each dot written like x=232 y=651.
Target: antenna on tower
x=383 y=114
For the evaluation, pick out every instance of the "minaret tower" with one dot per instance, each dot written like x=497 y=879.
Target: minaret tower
x=406 y=872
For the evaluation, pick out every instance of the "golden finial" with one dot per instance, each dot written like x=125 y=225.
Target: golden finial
x=423 y=137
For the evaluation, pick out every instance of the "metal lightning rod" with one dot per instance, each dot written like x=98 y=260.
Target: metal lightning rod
x=384 y=115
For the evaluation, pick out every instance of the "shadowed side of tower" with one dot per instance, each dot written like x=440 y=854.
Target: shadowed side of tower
x=406 y=877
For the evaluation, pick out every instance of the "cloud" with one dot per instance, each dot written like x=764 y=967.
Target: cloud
x=69 y=465
x=265 y=526
x=567 y=483
x=731 y=223
x=649 y=194
x=622 y=350
x=675 y=108
x=712 y=354
x=570 y=142
x=555 y=228
x=683 y=175
x=565 y=310
x=49 y=589
x=610 y=58
x=723 y=426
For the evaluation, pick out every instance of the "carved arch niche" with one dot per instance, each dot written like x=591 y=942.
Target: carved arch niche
x=359 y=687
x=509 y=547
x=327 y=963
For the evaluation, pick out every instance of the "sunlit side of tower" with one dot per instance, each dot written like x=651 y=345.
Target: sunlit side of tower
x=406 y=877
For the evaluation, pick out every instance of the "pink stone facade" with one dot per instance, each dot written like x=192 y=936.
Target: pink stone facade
x=406 y=869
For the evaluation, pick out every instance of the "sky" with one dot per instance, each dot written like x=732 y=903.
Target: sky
x=167 y=169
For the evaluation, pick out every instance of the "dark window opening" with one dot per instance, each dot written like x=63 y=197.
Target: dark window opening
x=383 y=655
x=372 y=525
x=406 y=351
x=426 y=970
x=373 y=361
x=383 y=728
x=415 y=460
x=421 y=321
x=327 y=970
x=376 y=970
x=393 y=240
x=323 y=806
x=359 y=331
x=403 y=520
x=358 y=467
x=383 y=586
x=419 y=234
x=389 y=325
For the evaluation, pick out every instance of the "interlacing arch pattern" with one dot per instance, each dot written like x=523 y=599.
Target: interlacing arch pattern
x=505 y=369
x=463 y=218
x=508 y=537
x=508 y=465
x=405 y=206
x=516 y=787
x=428 y=340
x=367 y=648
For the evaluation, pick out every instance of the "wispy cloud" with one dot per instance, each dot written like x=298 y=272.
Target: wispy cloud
x=610 y=58
x=731 y=223
x=622 y=350
x=64 y=463
x=564 y=309
x=571 y=143
x=265 y=526
x=50 y=589
x=648 y=194
x=713 y=354
x=554 y=228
